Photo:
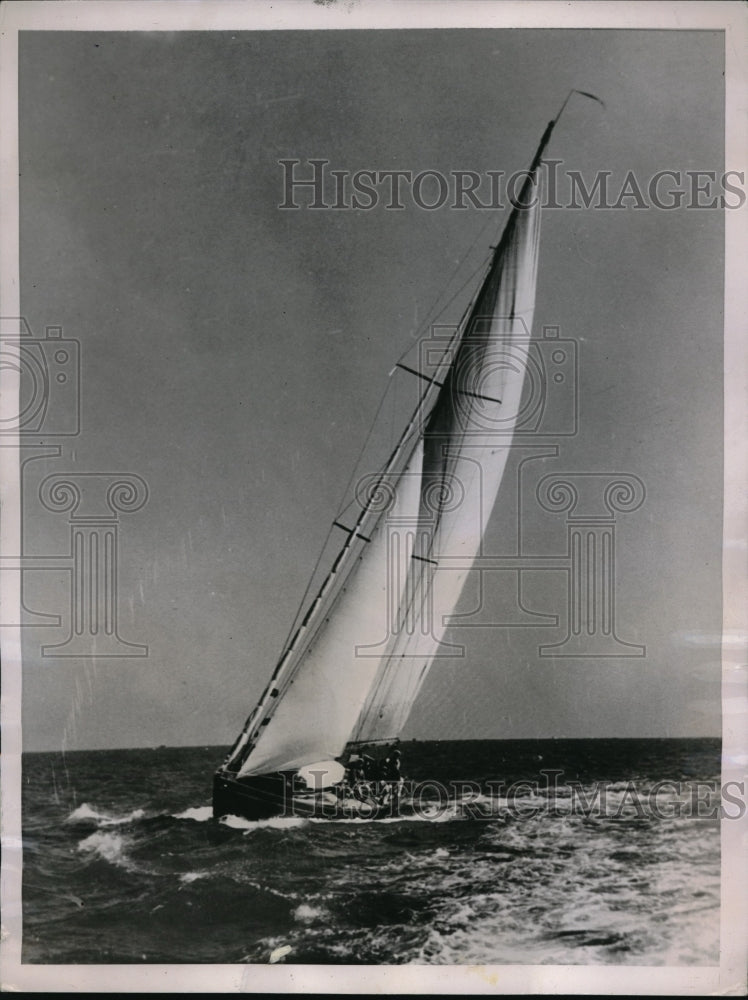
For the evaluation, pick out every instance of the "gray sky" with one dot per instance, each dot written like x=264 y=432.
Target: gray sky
x=233 y=354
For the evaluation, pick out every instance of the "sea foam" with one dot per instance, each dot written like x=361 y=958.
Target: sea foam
x=200 y=814
x=109 y=846
x=87 y=814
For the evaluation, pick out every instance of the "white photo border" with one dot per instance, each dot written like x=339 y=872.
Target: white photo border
x=176 y=15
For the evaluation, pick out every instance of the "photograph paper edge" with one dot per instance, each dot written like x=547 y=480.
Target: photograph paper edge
x=730 y=977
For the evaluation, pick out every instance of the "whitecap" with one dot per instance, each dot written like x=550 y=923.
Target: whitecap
x=188 y=877
x=200 y=814
x=109 y=846
x=82 y=813
x=275 y=823
x=306 y=914
x=85 y=813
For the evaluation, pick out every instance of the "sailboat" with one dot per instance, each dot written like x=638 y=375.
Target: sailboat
x=347 y=678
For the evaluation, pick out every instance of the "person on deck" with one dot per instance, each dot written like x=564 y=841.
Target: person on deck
x=361 y=776
x=355 y=769
x=391 y=767
x=392 y=779
x=370 y=767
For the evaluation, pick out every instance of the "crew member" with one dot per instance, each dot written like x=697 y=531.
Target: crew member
x=392 y=780
x=391 y=769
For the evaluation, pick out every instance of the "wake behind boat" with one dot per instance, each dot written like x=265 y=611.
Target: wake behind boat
x=340 y=690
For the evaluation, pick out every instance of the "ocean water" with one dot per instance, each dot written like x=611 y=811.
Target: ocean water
x=122 y=862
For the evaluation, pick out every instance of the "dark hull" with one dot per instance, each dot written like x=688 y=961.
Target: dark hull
x=260 y=797
x=269 y=795
x=264 y=796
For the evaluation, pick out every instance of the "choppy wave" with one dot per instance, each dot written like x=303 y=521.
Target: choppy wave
x=86 y=813
x=109 y=846
x=200 y=814
x=189 y=877
x=274 y=823
x=141 y=872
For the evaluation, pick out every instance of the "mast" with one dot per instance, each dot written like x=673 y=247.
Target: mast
x=321 y=693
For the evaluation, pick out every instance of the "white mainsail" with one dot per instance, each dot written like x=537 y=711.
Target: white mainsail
x=354 y=668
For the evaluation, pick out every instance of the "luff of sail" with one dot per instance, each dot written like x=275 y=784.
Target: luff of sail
x=322 y=693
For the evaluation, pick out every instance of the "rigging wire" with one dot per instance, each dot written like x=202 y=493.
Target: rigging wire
x=435 y=312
